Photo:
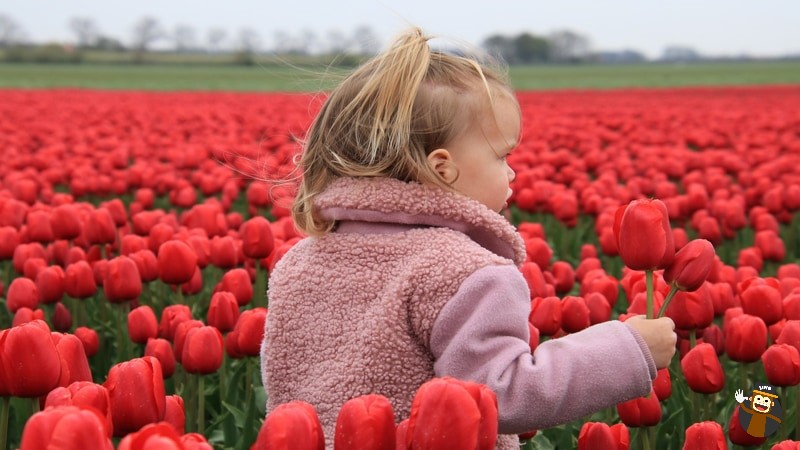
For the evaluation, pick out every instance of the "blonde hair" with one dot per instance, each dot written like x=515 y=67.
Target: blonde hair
x=387 y=116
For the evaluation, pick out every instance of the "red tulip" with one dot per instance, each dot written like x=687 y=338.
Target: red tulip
x=223 y=253
x=30 y=361
x=702 y=369
x=599 y=309
x=691 y=310
x=763 y=299
x=116 y=208
x=161 y=349
x=132 y=243
x=121 y=282
x=250 y=331
x=238 y=282
x=546 y=315
x=450 y=413
x=176 y=262
x=209 y=217
x=705 y=436
x=564 y=276
x=175 y=413
x=142 y=324
x=22 y=293
x=257 y=239
x=9 y=240
x=662 y=385
x=533 y=340
x=194 y=285
x=171 y=317
x=641 y=411
x=79 y=280
x=39 y=229
x=89 y=339
x=771 y=245
x=100 y=227
x=181 y=331
x=537 y=285
x=539 y=252
x=291 y=425
x=25 y=252
x=644 y=237
x=781 y=365
x=66 y=427
x=223 y=312
x=83 y=394
x=203 y=350
x=25 y=315
x=691 y=266
x=152 y=436
x=65 y=222
x=50 y=284
x=74 y=363
x=750 y=256
x=136 y=391
x=595 y=435
x=62 y=318
x=574 y=314
x=745 y=338
x=146 y=264
x=365 y=423
x=786 y=445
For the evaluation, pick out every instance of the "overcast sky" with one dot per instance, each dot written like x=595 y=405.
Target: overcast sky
x=713 y=27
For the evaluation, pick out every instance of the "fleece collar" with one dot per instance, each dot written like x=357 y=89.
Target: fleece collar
x=388 y=200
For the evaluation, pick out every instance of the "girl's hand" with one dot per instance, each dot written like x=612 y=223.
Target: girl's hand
x=659 y=335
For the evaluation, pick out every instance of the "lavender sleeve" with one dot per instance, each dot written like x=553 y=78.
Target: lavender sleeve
x=482 y=335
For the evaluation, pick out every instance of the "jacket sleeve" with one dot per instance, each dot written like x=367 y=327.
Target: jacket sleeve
x=482 y=335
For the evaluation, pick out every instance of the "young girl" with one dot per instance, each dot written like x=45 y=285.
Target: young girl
x=410 y=272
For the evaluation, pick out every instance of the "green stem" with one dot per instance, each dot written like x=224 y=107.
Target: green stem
x=673 y=290
x=692 y=338
x=653 y=436
x=201 y=404
x=4 y=413
x=122 y=331
x=649 y=280
x=644 y=439
x=248 y=382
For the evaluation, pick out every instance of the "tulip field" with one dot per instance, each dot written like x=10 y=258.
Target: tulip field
x=138 y=230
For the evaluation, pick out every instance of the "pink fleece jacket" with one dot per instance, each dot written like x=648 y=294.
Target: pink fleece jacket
x=417 y=282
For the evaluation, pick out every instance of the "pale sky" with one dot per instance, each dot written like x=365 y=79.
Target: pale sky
x=713 y=27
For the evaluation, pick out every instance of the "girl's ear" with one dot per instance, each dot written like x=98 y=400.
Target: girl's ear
x=442 y=163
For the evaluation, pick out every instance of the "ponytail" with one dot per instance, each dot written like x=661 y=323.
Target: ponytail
x=384 y=119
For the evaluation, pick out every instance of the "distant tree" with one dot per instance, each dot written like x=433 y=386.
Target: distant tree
x=529 y=48
x=85 y=30
x=108 y=43
x=215 y=38
x=11 y=32
x=568 y=46
x=246 y=46
x=184 y=38
x=145 y=32
x=680 y=53
x=366 y=40
x=501 y=46
x=338 y=43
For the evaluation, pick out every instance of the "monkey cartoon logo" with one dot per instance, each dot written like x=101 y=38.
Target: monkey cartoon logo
x=760 y=416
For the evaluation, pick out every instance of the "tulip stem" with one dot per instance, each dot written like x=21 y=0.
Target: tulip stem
x=797 y=413
x=644 y=439
x=201 y=404
x=673 y=290
x=248 y=382
x=4 y=413
x=692 y=338
x=648 y=274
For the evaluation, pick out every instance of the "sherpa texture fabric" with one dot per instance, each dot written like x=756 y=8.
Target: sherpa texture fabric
x=389 y=300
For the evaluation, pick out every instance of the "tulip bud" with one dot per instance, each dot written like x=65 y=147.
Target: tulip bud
x=641 y=411
x=176 y=262
x=66 y=427
x=762 y=298
x=156 y=435
x=451 y=413
x=30 y=361
x=136 y=391
x=691 y=266
x=171 y=317
x=365 y=423
x=142 y=324
x=89 y=339
x=257 y=239
x=237 y=282
x=83 y=394
x=122 y=282
x=65 y=222
x=203 y=350
x=291 y=425
x=223 y=312
x=74 y=363
x=745 y=338
x=22 y=292
x=705 y=436
x=100 y=227
x=662 y=385
x=545 y=315
x=782 y=365
x=702 y=369
x=250 y=331
x=574 y=314
x=738 y=435
x=594 y=435
x=691 y=310
x=175 y=413
x=79 y=280
x=643 y=234
x=161 y=349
